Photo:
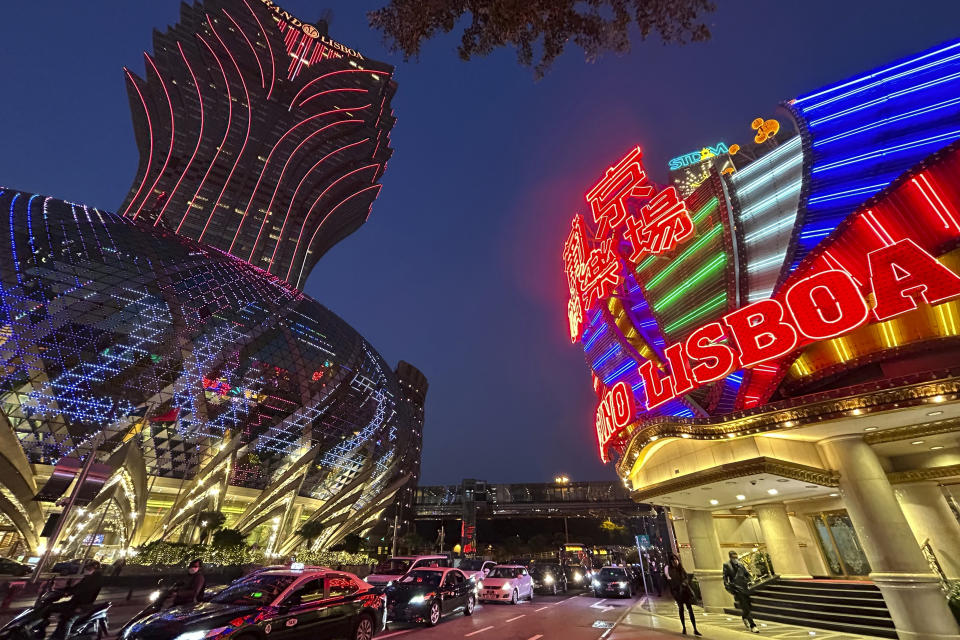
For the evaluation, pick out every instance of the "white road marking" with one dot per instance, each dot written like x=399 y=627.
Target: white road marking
x=473 y=633
x=536 y=637
x=515 y=618
x=541 y=608
x=395 y=633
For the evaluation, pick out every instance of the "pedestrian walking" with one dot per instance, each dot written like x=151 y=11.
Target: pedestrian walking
x=190 y=589
x=736 y=580
x=678 y=580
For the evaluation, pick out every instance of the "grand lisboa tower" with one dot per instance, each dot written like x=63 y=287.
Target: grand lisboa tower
x=165 y=352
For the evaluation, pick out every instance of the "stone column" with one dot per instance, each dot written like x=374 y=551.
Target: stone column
x=911 y=592
x=781 y=541
x=930 y=517
x=707 y=560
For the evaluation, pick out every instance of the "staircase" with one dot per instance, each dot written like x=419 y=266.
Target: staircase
x=849 y=607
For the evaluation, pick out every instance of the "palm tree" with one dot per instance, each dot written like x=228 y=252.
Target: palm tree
x=310 y=530
x=209 y=521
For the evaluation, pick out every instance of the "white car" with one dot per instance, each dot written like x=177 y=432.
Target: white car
x=392 y=569
x=507 y=583
x=476 y=568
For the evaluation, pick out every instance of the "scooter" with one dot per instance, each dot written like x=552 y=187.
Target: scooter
x=154 y=604
x=31 y=624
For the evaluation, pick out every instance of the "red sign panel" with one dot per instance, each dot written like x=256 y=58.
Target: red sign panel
x=614 y=413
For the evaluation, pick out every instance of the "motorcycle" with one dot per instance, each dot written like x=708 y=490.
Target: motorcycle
x=154 y=604
x=31 y=623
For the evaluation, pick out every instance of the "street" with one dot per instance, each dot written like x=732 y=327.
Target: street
x=561 y=617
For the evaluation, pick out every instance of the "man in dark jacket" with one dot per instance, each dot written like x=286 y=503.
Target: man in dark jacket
x=191 y=589
x=736 y=579
x=81 y=594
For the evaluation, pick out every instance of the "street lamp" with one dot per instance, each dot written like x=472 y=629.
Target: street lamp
x=563 y=480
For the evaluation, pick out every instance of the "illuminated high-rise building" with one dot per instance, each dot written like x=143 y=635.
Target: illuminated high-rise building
x=258 y=134
x=145 y=343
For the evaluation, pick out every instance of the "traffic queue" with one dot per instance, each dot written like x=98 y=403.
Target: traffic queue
x=295 y=601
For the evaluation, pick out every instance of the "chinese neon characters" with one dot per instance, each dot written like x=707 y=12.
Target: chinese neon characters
x=592 y=260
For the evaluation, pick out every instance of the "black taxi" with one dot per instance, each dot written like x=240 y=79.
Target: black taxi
x=282 y=604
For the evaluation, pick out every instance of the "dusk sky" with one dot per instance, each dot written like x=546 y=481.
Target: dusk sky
x=458 y=270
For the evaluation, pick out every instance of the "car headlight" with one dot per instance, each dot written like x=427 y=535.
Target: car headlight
x=479 y=585
x=623 y=585
x=154 y=595
x=506 y=586
x=595 y=583
x=417 y=600
x=548 y=579
x=389 y=583
x=577 y=576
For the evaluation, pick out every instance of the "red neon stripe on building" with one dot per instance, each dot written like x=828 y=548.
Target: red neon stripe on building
x=263 y=79
x=273 y=70
x=333 y=73
x=293 y=199
x=195 y=149
x=310 y=211
x=376 y=186
x=246 y=209
x=276 y=187
x=146 y=171
x=317 y=95
x=172 y=132
x=226 y=133
x=249 y=118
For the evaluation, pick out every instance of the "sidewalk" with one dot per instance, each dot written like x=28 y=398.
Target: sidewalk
x=661 y=614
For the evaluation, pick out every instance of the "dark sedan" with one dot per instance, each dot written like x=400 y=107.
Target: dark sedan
x=282 y=604
x=426 y=595
x=548 y=578
x=612 y=581
x=14 y=568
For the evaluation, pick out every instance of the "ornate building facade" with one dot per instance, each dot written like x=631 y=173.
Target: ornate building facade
x=774 y=345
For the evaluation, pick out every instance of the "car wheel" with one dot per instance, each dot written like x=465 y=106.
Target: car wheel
x=364 y=629
x=471 y=603
x=434 y=616
x=513 y=597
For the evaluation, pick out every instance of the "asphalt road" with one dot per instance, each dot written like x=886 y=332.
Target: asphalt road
x=561 y=617
x=569 y=616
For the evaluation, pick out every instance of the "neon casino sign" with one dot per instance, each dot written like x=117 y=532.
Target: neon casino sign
x=822 y=306
x=695 y=157
x=879 y=276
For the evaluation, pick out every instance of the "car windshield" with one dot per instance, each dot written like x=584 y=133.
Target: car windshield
x=503 y=572
x=543 y=569
x=431 y=578
x=471 y=565
x=392 y=567
x=613 y=573
x=257 y=590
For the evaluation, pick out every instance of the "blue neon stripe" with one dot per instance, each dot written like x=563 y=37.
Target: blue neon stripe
x=624 y=368
x=887 y=121
x=884 y=99
x=596 y=334
x=873 y=74
x=858 y=193
x=612 y=351
x=943 y=137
